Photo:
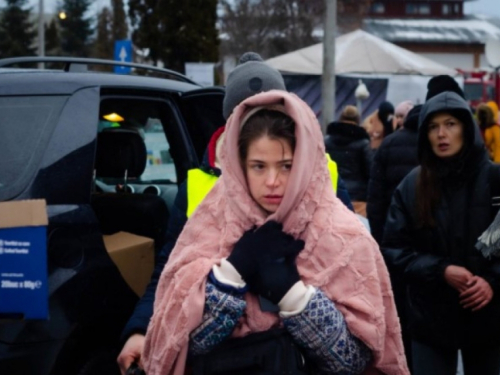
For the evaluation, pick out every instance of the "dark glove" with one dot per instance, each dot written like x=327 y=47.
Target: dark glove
x=268 y=242
x=275 y=277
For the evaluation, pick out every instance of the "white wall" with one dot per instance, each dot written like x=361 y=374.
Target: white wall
x=463 y=61
x=405 y=87
x=414 y=88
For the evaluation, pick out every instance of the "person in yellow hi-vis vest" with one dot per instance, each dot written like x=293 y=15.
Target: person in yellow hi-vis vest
x=250 y=77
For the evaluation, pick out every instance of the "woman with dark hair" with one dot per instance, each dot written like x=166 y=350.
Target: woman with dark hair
x=490 y=130
x=272 y=255
x=436 y=216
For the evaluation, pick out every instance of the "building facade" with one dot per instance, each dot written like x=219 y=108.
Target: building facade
x=437 y=29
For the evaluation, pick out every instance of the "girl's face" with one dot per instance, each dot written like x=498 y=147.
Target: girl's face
x=267 y=169
x=445 y=133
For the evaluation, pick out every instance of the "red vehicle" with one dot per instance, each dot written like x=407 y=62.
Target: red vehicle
x=481 y=86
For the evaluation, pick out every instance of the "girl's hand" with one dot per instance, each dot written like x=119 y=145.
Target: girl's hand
x=478 y=294
x=458 y=277
x=275 y=277
x=266 y=243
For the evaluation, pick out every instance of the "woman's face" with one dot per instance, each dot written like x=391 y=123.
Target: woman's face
x=445 y=134
x=267 y=169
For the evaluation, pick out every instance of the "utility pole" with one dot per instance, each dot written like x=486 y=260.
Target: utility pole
x=328 y=79
x=41 y=33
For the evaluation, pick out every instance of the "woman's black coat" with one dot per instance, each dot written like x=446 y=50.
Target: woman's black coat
x=420 y=255
x=394 y=159
x=349 y=146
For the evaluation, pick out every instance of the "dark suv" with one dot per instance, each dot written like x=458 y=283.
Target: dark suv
x=107 y=153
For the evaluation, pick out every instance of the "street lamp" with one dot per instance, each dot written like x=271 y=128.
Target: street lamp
x=62 y=15
x=361 y=94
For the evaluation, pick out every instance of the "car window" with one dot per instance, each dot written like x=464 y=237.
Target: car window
x=160 y=164
x=26 y=126
x=202 y=112
x=154 y=120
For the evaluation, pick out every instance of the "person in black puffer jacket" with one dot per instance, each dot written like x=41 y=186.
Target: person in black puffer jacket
x=394 y=159
x=349 y=146
x=435 y=218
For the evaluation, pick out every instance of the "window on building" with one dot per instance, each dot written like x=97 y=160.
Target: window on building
x=421 y=9
x=457 y=8
x=378 y=8
x=446 y=9
x=424 y=9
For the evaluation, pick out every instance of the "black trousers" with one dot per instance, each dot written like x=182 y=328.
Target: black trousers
x=428 y=360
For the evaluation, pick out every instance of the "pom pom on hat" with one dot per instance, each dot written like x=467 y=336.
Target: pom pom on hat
x=250 y=77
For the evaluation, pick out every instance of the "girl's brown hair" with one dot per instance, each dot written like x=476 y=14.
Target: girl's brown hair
x=274 y=124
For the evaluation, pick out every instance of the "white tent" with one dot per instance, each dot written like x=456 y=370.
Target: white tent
x=361 y=53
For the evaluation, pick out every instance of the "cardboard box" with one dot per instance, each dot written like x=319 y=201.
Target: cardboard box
x=134 y=257
x=23 y=259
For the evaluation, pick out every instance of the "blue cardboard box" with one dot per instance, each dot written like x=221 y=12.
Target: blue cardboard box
x=23 y=259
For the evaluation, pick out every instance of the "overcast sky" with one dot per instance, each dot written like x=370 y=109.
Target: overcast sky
x=486 y=7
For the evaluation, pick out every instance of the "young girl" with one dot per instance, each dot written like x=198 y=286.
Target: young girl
x=319 y=265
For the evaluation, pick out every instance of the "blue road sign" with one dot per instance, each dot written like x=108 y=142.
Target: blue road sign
x=123 y=52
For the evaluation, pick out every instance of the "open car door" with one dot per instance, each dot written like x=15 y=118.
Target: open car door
x=202 y=110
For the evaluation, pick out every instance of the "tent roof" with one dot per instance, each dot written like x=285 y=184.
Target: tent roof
x=359 y=52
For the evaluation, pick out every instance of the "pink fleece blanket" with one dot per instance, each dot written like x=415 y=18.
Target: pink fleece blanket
x=340 y=257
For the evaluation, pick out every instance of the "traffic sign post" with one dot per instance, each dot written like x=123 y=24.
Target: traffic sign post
x=123 y=52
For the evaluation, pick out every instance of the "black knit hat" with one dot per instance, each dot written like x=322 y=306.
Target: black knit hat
x=442 y=83
x=385 y=114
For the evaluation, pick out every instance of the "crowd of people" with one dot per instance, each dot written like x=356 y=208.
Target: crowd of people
x=270 y=270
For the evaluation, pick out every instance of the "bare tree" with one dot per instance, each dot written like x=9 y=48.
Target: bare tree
x=274 y=27
x=269 y=27
x=351 y=14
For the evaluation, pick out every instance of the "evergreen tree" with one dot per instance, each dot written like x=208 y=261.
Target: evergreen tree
x=176 y=31
x=17 y=34
x=76 y=28
x=120 y=27
x=52 y=39
x=103 y=46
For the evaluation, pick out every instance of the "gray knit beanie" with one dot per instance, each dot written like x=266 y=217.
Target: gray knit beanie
x=250 y=77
